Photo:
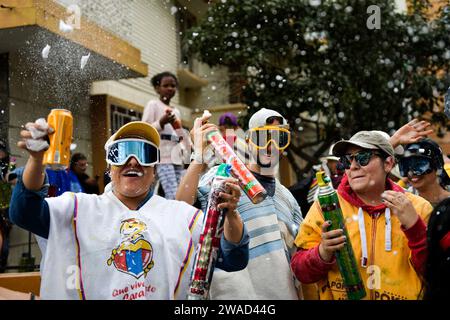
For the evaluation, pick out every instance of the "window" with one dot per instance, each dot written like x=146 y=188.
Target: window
x=185 y=21
x=121 y=116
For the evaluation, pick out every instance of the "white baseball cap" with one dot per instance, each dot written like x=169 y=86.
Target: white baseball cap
x=259 y=119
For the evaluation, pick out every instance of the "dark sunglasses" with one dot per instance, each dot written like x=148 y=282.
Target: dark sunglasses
x=362 y=158
x=417 y=165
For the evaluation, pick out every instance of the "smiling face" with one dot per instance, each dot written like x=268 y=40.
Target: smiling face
x=364 y=179
x=167 y=89
x=422 y=182
x=132 y=181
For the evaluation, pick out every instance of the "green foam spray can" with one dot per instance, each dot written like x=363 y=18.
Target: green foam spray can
x=346 y=261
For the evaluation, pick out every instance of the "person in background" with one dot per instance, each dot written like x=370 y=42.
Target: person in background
x=233 y=134
x=423 y=164
x=446 y=163
x=437 y=270
x=6 y=178
x=333 y=168
x=228 y=125
x=174 y=142
x=62 y=180
x=301 y=189
x=78 y=165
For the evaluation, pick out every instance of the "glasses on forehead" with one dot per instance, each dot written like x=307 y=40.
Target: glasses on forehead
x=362 y=158
x=261 y=137
x=145 y=152
x=417 y=165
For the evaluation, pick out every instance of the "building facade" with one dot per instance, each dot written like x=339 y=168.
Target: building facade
x=127 y=42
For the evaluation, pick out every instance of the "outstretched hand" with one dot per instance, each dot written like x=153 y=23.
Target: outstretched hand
x=411 y=132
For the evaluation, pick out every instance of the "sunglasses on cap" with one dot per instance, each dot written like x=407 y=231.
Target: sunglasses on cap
x=417 y=165
x=261 y=137
x=145 y=152
x=362 y=158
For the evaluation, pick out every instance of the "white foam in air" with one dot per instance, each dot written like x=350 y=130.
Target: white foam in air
x=45 y=51
x=84 y=61
x=64 y=27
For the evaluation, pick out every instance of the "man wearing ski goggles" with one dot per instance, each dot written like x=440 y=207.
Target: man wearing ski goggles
x=145 y=152
x=125 y=234
x=278 y=214
x=267 y=137
x=279 y=136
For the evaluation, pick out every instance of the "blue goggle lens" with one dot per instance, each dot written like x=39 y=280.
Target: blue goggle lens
x=146 y=153
x=417 y=165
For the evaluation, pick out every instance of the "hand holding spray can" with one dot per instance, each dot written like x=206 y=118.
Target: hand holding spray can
x=58 y=154
x=209 y=243
x=251 y=186
x=348 y=267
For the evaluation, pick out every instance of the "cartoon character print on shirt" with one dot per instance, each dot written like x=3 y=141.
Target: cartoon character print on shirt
x=134 y=254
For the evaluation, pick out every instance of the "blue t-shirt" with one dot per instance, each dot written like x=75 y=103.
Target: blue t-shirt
x=61 y=181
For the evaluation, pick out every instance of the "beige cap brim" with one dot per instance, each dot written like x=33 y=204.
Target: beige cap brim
x=136 y=129
x=341 y=147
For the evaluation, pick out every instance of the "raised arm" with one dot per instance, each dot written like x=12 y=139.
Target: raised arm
x=187 y=190
x=33 y=175
x=411 y=132
x=28 y=208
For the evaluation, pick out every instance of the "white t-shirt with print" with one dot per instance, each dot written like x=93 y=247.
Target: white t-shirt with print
x=99 y=249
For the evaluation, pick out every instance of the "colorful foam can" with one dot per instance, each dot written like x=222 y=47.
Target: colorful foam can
x=208 y=247
x=58 y=154
x=251 y=186
x=345 y=257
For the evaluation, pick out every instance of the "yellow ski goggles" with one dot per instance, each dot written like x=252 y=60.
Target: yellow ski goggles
x=261 y=137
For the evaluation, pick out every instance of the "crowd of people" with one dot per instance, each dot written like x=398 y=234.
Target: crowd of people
x=136 y=242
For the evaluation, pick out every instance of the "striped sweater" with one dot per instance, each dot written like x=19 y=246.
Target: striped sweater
x=272 y=226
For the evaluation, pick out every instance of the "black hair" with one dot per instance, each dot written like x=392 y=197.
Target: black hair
x=156 y=79
x=437 y=275
x=272 y=119
x=75 y=158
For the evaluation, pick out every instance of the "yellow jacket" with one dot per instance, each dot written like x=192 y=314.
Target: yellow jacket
x=389 y=274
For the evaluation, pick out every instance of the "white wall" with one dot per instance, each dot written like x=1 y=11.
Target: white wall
x=155 y=34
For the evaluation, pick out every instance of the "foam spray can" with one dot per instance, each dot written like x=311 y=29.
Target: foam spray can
x=176 y=124
x=209 y=243
x=251 y=186
x=57 y=157
x=345 y=257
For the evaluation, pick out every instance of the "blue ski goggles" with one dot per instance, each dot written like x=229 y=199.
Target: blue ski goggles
x=145 y=152
x=417 y=165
